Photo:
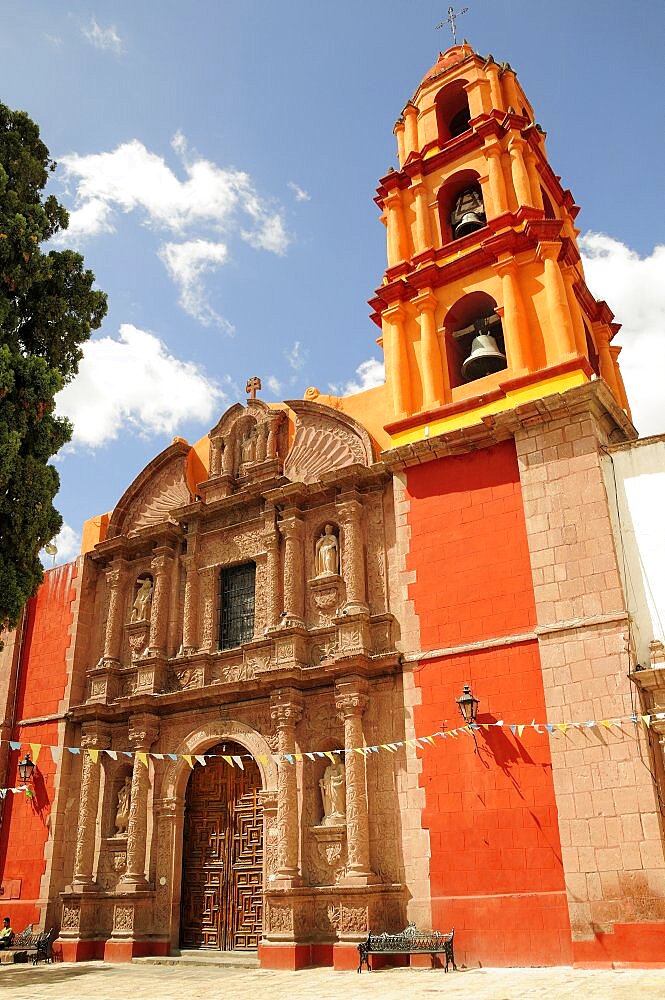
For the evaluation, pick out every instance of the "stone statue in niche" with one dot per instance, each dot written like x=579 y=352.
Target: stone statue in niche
x=122 y=812
x=248 y=447
x=143 y=601
x=333 y=794
x=327 y=553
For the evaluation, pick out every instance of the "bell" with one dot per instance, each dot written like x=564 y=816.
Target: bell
x=469 y=223
x=485 y=358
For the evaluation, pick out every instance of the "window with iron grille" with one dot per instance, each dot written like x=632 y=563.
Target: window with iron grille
x=236 y=611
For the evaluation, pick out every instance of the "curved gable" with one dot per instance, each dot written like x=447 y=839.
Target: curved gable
x=159 y=489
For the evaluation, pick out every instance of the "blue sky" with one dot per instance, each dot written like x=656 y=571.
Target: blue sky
x=220 y=160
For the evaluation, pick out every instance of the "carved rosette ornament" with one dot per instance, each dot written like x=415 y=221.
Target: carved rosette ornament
x=286 y=711
x=93 y=737
x=143 y=732
x=351 y=702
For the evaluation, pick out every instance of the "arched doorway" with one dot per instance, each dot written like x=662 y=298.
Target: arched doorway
x=222 y=861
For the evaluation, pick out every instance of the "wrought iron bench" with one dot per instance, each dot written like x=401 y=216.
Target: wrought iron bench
x=410 y=941
x=31 y=944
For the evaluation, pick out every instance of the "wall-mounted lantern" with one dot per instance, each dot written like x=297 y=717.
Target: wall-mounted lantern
x=26 y=769
x=468 y=705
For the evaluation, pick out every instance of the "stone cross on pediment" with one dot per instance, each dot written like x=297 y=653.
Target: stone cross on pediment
x=253 y=386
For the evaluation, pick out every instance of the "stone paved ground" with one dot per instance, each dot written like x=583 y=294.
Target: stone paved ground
x=97 y=981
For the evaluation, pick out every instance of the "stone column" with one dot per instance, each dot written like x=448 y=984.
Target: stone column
x=570 y=277
x=353 y=556
x=161 y=574
x=94 y=737
x=534 y=177
x=497 y=182
x=286 y=711
x=143 y=731
x=215 y=457
x=208 y=582
x=399 y=135
x=273 y=592
x=351 y=701
x=515 y=325
x=227 y=457
x=423 y=232
x=291 y=528
x=113 y=635
x=411 y=144
x=601 y=334
x=397 y=251
x=190 y=609
x=432 y=369
x=496 y=95
x=557 y=305
x=519 y=172
x=397 y=362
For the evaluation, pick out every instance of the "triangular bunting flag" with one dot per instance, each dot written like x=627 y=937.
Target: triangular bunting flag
x=73 y=749
x=485 y=725
x=298 y=757
x=520 y=730
x=289 y=757
x=93 y=755
x=157 y=756
x=229 y=760
x=606 y=723
x=239 y=762
x=562 y=727
x=34 y=751
x=128 y=753
x=188 y=758
x=499 y=722
x=113 y=754
x=200 y=758
x=327 y=753
x=387 y=746
x=513 y=729
x=646 y=719
x=172 y=756
x=14 y=745
x=429 y=739
x=310 y=756
x=549 y=727
x=55 y=753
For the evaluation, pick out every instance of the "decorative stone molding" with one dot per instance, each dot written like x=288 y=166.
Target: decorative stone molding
x=328 y=861
x=324 y=440
x=351 y=700
x=159 y=489
x=291 y=528
x=350 y=512
x=246 y=444
x=143 y=731
x=93 y=737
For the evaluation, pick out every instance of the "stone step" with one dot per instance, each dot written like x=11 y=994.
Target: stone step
x=187 y=959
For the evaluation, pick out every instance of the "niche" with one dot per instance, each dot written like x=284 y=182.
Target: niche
x=474 y=339
x=453 y=117
x=461 y=206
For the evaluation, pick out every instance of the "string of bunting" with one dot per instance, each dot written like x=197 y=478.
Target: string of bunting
x=236 y=760
x=15 y=791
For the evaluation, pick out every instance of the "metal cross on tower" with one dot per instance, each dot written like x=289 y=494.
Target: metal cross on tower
x=253 y=386
x=450 y=20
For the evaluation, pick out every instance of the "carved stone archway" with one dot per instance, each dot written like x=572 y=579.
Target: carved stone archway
x=170 y=814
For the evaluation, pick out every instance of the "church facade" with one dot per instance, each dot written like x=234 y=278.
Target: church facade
x=244 y=698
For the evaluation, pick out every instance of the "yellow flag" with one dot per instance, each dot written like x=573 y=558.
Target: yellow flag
x=562 y=726
x=261 y=757
x=606 y=723
x=185 y=756
x=35 y=748
x=298 y=756
x=430 y=739
x=330 y=756
x=384 y=746
x=520 y=730
x=646 y=719
x=93 y=755
x=229 y=760
x=485 y=725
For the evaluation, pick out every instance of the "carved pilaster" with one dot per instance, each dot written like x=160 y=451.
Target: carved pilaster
x=273 y=592
x=113 y=635
x=557 y=303
x=351 y=701
x=294 y=575
x=286 y=711
x=143 y=731
x=161 y=570
x=190 y=610
x=94 y=737
x=353 y=556
x=208 y=582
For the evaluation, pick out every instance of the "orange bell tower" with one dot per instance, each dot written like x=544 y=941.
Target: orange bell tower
x=483 y=305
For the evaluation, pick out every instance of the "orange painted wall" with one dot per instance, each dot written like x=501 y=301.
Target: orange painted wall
x=42 y=685
x=496 y=871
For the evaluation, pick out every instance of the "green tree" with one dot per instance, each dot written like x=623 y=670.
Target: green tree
x=48 y=307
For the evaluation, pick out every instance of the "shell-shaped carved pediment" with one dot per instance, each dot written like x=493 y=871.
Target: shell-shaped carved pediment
x=159 y=489
x=324 y=440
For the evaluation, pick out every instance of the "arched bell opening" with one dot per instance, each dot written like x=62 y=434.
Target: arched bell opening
x=474 y=339
x=461 y=206
x=453 y=116
x=594 y=361
x=221 y=902
x=547 y=205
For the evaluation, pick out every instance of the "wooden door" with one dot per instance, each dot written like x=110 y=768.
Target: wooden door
x=222 y=868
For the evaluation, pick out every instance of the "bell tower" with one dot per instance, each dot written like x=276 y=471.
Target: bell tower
x=483 y=304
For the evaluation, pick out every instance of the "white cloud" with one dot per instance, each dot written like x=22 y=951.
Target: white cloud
x=297 y=356
x=203 y=210
x=103 y=38
x=369 y=374
x=53 y=40
x=274 y=385
x=68 y=544
x=300 y=193
x=134 y=384
x=187 y=263
x=634 y=289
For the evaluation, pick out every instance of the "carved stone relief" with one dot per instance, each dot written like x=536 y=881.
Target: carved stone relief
x=184 y=678
x=71 y=918
x=324 y=439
